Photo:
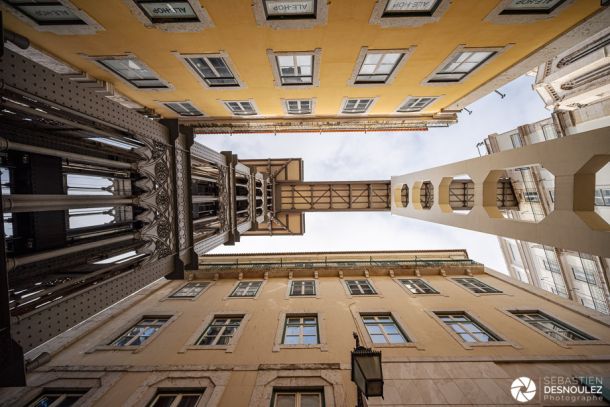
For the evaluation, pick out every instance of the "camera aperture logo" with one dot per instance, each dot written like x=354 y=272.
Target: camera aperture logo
x=558 y=389
x=523 y=389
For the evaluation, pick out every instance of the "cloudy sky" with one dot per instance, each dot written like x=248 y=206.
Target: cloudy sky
x=377 y=156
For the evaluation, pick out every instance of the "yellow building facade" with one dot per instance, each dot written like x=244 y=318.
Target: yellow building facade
x=271 y=65
x=276 y=330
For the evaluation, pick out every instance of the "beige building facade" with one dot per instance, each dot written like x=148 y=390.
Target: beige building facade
x=577 y=76
x=276 y=330
x=571 y=274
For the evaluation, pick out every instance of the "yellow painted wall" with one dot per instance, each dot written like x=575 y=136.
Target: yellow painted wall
x=341 y=39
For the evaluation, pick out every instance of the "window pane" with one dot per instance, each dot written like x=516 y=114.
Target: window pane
x=310 y=340
x=289 y=7
x=291 y=340
x=378 y=339
x=410 y=5
x=164 y=401
x=396 y=338
x=310 y=400
x=128 y=68
x=532 y=4
x=285 y=400
x=50 y=14
x=169 y=10
x=188 y=401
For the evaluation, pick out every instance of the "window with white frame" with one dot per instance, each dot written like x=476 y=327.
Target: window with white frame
x=159 y=12
x=176 y=397
x=410 y=8
x=241 y=108
x=58 y=398
x=299 y=106
x=416 y=104
x=183 y=108
x=133 y=71
x=301 y=330
x=246 y=289
x=551 y=326
x=476 y=286
x=360 y=287
x=220 y=331
x=46 y=12
x=460 y=65
x=295 y=69
x=531 y=196
x=190 y=290
x=466 y=328
x=418 y=286
x=356 y=106
x=214 y=70
x=290 y=9
x=378 y=66
x=140 y=332
x=301 y=398
x=531 y=6
x=302 y=288
x=383 y=329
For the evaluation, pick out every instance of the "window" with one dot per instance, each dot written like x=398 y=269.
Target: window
x=295 y=69
x=190 y=290
x=383 y=329
x=476 y=286
x=515 y=139
x=183 y=108
x=356 y=106
x=303 y=398
x=246 y=289
x=587 y=49
x=360 y=287
x=176 y=398
x=220 y=331
x=159 y=12
x=241 y=108
x=416 y=104
x=301 y=330
x=460 y=65
x=531 y=196
x=58 y=398
x=47 y=12
x=377 y=67
x=418 y=286
x=133 y=71
x=299 y=106
x=140 y=332
x=214 y=70
x=290 y=9
x=581 y=274
x=412 y=8
x=531 y=6
x=550 y=326
x=466 y=328
x=303 y=288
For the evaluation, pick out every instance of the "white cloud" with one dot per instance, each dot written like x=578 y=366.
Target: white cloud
x=378 y=156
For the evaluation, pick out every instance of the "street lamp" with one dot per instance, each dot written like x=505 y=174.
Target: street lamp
x=366 y=371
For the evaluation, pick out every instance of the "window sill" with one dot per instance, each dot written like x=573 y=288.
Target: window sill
x=397 y=345
x=226 y=348
x=322 y=346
